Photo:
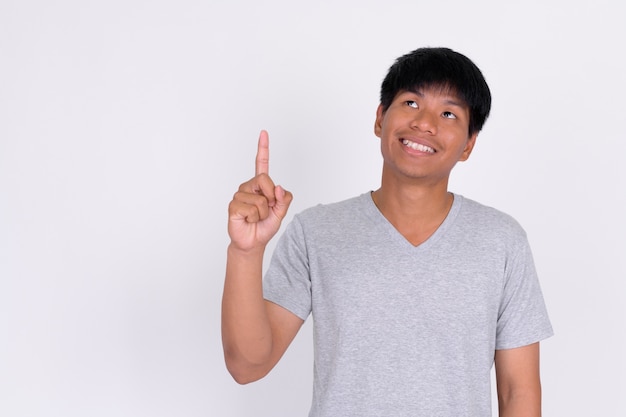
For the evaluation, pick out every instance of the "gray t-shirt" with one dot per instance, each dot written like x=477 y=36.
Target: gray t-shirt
x=403 y=330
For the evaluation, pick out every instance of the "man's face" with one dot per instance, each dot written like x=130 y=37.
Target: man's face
x=424 y=134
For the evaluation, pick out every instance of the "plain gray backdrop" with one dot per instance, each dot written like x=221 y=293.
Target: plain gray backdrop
x=126 y=127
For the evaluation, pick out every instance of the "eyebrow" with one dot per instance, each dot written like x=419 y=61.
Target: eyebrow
x=456 y=103
x=450 y=101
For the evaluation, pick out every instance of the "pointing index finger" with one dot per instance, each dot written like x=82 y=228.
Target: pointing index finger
x=263 y=154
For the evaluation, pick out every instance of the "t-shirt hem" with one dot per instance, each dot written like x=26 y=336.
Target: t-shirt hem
x=525 y=342
x=290 y=305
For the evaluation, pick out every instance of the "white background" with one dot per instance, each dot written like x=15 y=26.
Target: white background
x=126 y=126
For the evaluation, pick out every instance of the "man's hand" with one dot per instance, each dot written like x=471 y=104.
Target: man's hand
x=259 y=206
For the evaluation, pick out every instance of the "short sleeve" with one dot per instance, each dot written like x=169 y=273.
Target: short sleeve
x=287 y=281
x=523 y=317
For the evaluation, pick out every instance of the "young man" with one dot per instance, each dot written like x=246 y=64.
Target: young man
x=415 y=292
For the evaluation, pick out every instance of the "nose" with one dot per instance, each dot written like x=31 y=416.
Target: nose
x=425 y=121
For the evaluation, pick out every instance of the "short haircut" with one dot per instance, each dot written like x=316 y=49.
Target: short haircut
x=444 y=69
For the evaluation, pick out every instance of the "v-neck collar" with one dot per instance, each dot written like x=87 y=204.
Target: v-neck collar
x=398 y=238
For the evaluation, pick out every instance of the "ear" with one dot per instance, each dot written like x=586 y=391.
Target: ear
x=469 y=146
x=378 y=124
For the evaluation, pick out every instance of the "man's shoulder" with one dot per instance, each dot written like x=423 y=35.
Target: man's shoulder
x=485 y=217
x=332 y=218
x=337 y=208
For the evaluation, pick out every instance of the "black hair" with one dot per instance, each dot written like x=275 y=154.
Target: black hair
x=440 y=68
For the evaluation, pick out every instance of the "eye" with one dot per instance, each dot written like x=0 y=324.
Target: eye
x=448 y=115
x=411 y=103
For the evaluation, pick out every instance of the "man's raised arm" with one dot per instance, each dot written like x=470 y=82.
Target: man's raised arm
x=255 y=332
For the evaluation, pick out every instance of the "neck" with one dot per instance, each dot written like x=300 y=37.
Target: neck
x=415 y=211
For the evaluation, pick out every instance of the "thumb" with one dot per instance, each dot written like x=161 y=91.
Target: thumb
x=283 y=200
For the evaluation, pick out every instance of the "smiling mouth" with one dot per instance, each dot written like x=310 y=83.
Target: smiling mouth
x=417 y=146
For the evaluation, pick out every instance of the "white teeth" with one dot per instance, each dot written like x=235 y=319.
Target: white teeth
x=418 y=146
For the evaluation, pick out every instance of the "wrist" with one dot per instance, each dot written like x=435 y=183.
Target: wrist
x=245 y=253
